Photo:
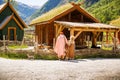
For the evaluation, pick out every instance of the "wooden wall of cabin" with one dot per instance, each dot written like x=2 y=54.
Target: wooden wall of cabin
x=119 y=36
x=51 y=33
x=19 y=32
x=40 y=34
x=6 y=12
x=45 y=33
x=75 y=16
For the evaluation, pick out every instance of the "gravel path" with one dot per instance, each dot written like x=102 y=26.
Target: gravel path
x=82 y=69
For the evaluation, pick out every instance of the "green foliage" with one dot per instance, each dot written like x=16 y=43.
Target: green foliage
x=105 y=10
x=115 y=22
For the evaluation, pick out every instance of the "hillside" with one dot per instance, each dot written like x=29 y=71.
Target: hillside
x=115 y=22
x=23 y=10
x=46 y=7
x=105 y=10
x=52 y=4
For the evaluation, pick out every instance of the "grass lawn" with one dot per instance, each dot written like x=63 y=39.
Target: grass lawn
x=17 y=46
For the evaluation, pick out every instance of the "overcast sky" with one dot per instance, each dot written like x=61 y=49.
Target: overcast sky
x=33 y=2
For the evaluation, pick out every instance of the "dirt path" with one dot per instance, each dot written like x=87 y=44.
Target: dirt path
x=83 y=69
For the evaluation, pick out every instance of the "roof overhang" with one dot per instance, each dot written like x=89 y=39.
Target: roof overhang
x=39 y=20
x=7 y=20
x=8 y=4
x=88 y=26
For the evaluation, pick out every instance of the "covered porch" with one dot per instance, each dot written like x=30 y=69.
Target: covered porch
x=88 y=32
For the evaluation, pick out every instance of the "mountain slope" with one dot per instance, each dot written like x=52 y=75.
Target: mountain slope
x=25 y=10
x=48 y=6
x=105 y=10
x=22 y=9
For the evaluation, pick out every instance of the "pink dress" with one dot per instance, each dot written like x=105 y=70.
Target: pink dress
x=60 y=45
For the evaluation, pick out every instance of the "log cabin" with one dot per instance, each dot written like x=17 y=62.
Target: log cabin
x=11 y=25
x=72 y=19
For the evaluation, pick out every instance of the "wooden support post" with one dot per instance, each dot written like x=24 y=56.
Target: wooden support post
x=88 y=41
x=56 y=30
x=4 y=41
x=115 y=40
x=107 y=37
x=94 y=40
x=41 y=36
x=77 y=34
x=59 y=30
x=71 y=32
x=36 y=44
x=54 y=43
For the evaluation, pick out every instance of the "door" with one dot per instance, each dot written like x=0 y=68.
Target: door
x=11 y=33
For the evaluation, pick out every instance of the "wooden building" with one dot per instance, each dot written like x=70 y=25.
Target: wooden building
x=72 y=20
x=11 y=25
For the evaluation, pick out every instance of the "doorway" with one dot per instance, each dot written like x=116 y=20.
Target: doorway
x=12 y=33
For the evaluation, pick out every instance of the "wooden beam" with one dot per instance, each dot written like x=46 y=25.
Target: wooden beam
x=97 y=34
x=93 y=30
x=71 y=32
x=111 y=35
x=78 y=34
x=18 y=23
x=94 y=40
x=59 y=30
x=56 y=29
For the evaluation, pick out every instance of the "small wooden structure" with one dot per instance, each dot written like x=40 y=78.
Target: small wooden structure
x=11 y=25
x=72 y=20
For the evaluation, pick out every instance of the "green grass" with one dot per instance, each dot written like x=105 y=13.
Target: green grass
x=17 y=46
x=13 y=55
x=52 y=13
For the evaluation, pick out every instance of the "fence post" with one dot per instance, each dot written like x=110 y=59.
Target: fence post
x=88 y=41
x=36 y=45
x=53 y=43
x=4 y=43
x=114 y=47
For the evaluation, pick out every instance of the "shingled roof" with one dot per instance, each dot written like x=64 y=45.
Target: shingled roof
x=3 y=6
x=56 y=12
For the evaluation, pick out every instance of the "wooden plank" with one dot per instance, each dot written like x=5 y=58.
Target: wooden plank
x=69 y=16
x=56 y=29
x=94 y=40
x=59 y=30
x=97 y=34
x=99 y=30
x=107 y=37
x=111 y=35
x=71 y=32
x=78 y=34
x=18 y=23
